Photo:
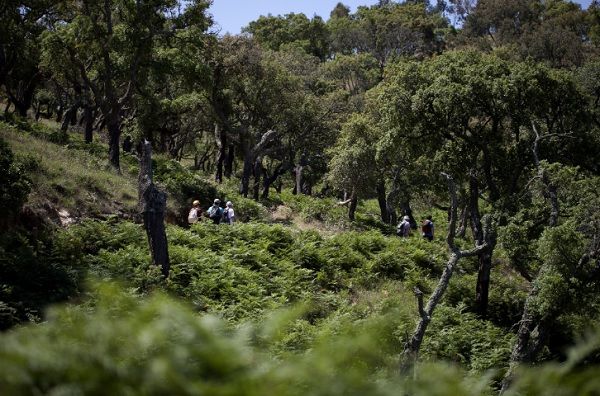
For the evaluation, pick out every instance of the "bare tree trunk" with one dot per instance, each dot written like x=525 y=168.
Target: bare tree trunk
x=221 y=139
x=464 y=220
x=250 y=156
x=412 y=347
x=257 y=175
x=353 y=205
x=298 y=173
x=70 y=116
x=152 y=207
x=381 y=199
x=229 y=161
x=485 y=257
x=269 y=180
x=88 y=115
x=114 y=134
x=390 y=200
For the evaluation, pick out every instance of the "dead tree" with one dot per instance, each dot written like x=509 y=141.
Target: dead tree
x=152 y=204
x=411 y=349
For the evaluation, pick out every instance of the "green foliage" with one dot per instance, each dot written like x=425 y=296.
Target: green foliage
x=459 y=336
x=14 y=183
x=291 y=30
x=182 y=185
x=245 y=270
x=36 y=271
x=506 y=296
x=125 y=346
x=324 y=210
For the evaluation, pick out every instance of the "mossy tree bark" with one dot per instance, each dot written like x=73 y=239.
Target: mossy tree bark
x=152 y=203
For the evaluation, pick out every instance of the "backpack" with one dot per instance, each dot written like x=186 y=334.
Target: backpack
x=226 y=215
x=426 y=228
x=216 y=214
x=403 y=228
x=193 y=216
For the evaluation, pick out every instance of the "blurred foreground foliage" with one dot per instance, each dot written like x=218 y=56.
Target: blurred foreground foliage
x=119 y=343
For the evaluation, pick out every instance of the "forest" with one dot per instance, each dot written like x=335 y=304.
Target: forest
x=333 y=139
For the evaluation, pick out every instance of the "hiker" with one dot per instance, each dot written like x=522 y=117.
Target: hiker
x=427 y=228
x=228 y=213
x=195 y=212
x=403 y=229
x=215 y=212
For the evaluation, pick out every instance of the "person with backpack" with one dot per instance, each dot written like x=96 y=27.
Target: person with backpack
x=403 y=229
x=427 y=228
x=215 y=212
x=228 y=213
x=195 y=212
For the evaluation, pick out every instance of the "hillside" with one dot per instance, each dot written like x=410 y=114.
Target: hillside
x=69 y=180
x=397 y=198
x=337 y=278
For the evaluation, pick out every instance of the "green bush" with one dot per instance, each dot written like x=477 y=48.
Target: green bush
x=35 y=271
x=122 y=345
x=14 y=182
x=459 y=336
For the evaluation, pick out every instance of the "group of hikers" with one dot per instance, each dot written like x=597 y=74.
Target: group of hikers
x=215 y=213
x=226 y=215
x=404 y=228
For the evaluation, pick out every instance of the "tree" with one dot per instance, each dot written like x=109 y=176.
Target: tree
x=469 y=113
x=352 y=167
x=340 y=11
x=389 y=32
x=22 y=22
x=111 y=44
x=295 y=30
x=551 y=31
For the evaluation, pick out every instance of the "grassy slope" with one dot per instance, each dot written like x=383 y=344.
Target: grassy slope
x=68 y=179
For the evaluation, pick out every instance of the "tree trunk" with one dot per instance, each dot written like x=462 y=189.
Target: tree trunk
x=246 y=173
x=88 y=115
x=532 y=327
x=229 y=161
x=298 y=185
x=152 y=207
x=482 y=287
x=114 y=134
x=70 y=116
x=353 y=205
x=23 y=98
x=250 y=156
x=407 y=211
x=464 y=220
x=269 y=180
x=221 y=139
x=59 y=113
x=38 y=109
x=412 y=347
x=381 y=199
x=257 y=175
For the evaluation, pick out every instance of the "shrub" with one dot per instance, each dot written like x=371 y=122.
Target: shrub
x=35 y=271
x=14 y=183
x=123 y=345
x=459 y=336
